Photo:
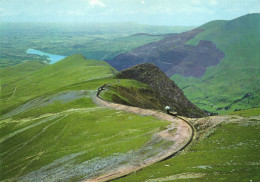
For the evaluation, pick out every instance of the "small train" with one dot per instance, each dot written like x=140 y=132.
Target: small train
x=170 y=111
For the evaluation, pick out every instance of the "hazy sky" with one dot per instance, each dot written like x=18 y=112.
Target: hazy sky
x=157 y=12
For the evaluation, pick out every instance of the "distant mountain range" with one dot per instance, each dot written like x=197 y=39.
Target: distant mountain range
x=217 y=64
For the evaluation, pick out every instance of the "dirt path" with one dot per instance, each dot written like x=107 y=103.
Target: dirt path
x=180 y=138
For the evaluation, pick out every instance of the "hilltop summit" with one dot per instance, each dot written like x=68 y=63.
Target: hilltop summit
x=169 y=93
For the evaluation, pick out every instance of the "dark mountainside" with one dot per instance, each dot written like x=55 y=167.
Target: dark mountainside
x=173 y=56
x=169 y=93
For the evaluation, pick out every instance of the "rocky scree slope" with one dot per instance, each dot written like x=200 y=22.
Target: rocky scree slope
x=169 y=93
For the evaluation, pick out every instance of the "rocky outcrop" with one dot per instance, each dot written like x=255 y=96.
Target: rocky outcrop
x=169 y=93
x=173 y=56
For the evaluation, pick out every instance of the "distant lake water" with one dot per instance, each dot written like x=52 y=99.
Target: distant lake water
x=52 y=57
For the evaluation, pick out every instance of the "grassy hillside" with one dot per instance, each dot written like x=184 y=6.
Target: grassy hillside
x=13 y=73
x=132 y=93
x=234 y=83
x=58 y=133
x=229 y=152
x=247 y=113
x=70 y=143
x=31 y=84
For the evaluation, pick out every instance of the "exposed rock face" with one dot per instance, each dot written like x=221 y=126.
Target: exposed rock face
x=173 y=56
x=170 y=94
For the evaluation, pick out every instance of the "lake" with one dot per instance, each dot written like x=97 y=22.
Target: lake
x=52 y=57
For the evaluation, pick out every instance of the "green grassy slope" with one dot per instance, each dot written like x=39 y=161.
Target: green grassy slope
x=247 y=113
x=132 y=93
x=30 y=85
x=230 y=152
x=70 y=143
x=19 y=71
x=58 y=134
x=223 y=87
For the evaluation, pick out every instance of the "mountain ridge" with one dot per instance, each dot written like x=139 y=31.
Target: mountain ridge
x=168 y=92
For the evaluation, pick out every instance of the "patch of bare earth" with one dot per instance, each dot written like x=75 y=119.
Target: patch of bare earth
x=177 y=177
x=204 y=127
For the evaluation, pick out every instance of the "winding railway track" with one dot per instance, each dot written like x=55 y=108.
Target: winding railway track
x=120 y=173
